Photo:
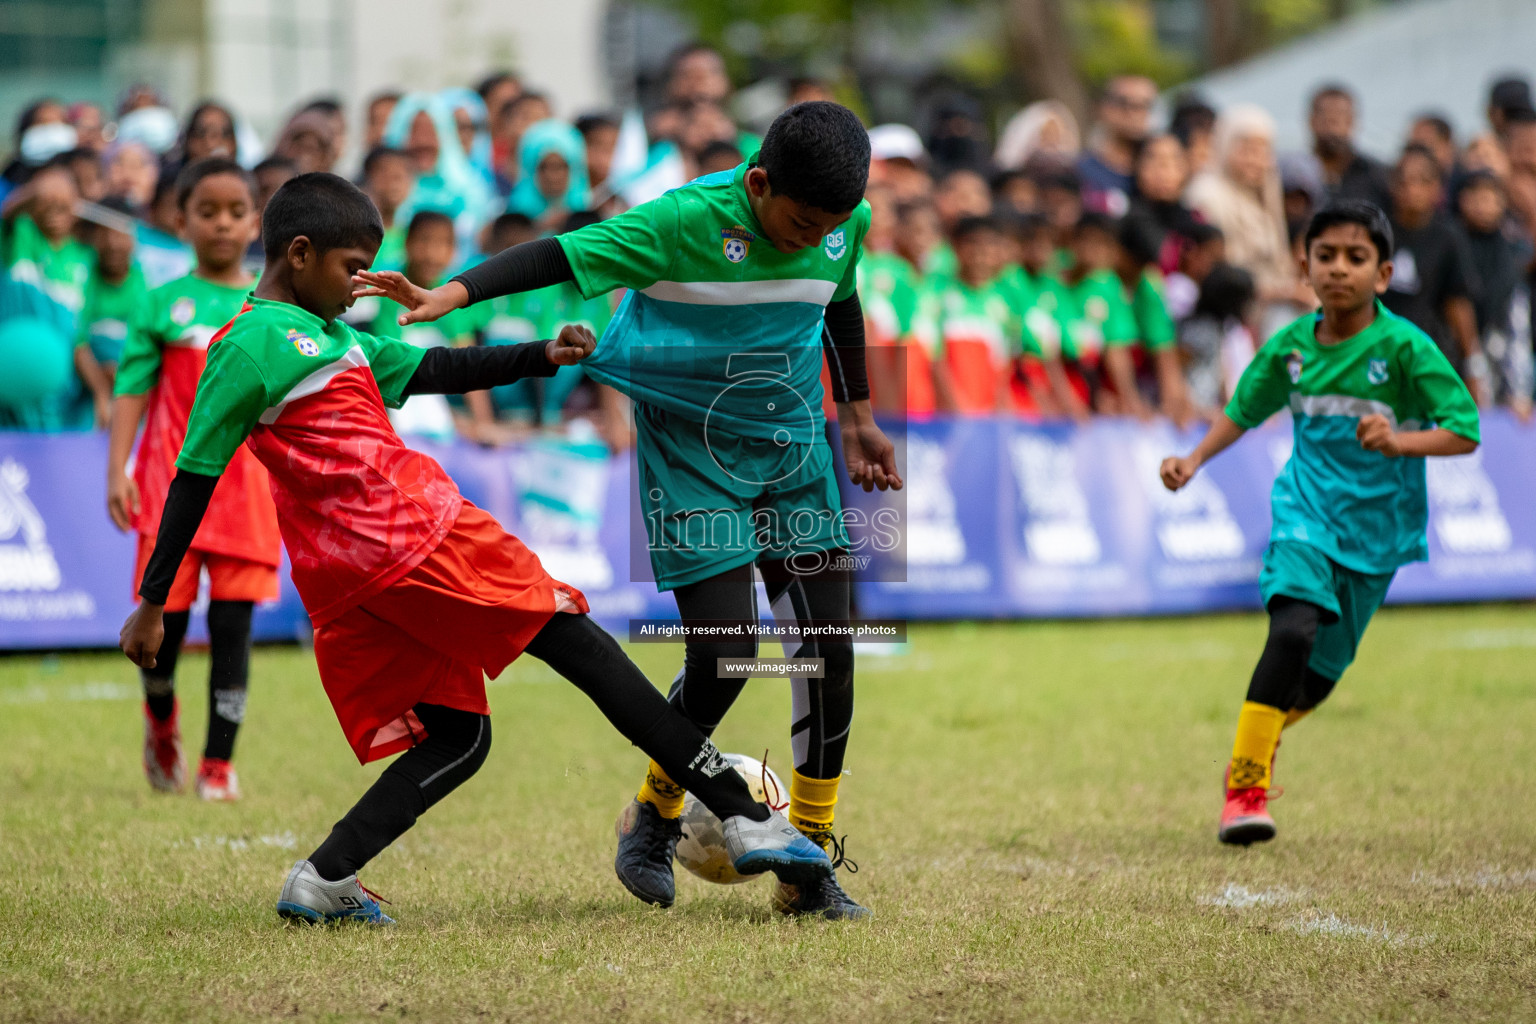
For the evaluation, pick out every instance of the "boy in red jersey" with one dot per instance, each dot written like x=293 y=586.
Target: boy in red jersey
x=163 y=357
x=415 y=593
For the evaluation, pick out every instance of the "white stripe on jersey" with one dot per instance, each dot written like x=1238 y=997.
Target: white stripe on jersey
x=197 y=337
x=1347 y=405
x=317 y=382
x=743 y=293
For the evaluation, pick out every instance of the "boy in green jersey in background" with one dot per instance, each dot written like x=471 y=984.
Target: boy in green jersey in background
x=115 y=290
x=163 y=359
x=736 y=281
x=1370 y=395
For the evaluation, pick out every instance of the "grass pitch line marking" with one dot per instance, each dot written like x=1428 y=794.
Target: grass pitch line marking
x=239 y=844
x=1487 y=878
x=40 y=694
x=1334 y=926
x=1240 y=897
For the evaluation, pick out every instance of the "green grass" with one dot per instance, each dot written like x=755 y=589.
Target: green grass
x=1033 y=807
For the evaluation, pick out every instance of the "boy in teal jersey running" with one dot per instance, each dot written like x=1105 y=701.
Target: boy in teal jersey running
x=735 y=281
x=1371 y=396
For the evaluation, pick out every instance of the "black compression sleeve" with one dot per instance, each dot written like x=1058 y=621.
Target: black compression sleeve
x=455 y=371
x=522 y=268
x=843 y=339
x=185 y=503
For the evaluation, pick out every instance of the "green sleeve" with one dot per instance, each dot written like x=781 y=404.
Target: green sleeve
x=1263 y=389
x=1120 y=324
x=138 y=371
x=22 y=239
x=1439 y=391
x=1153 y=323
x=633 y=250
x=858 y=226
x=231 y=396
x=392 y=362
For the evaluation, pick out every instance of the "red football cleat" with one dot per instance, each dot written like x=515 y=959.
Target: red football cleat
x=164 y=766
x=216 y=780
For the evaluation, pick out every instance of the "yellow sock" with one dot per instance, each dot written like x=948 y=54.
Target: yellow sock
x=1258 y=731
x=812 y=803
x=1295 y=715
x=662 y=792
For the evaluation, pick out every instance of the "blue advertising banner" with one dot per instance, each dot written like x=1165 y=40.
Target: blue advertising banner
x=1000 y=519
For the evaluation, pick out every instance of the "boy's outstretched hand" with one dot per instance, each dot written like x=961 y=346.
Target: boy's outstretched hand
x=143 y=633
x=1177 y=471
x=1375 y=434
x=422 y=305
x=573 y=345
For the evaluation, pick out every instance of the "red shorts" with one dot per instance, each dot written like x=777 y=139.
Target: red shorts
x=433 y=636
x=229 y=578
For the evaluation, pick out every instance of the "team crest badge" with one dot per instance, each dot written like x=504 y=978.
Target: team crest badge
x=304 y=343
x=1293 y=365
x=1376 y=371
x=182 y=311
x=736 y=242
x=836 y=244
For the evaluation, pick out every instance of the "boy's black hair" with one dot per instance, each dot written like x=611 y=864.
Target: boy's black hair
x=1029 y=225
x=492 y=80
x=378 y=154
x=578 y=219
x=427 y=218
x=1519 y=115
x=1439 y=122
x=1139 y=239
x=1328 y=91
x=193 y=173
x=325 y=208
x=1481 y=178
x=1191 y=114
x=1063 y=178
x=718 y=148
x=272 y=163
x=1200 y=233
x=817 y=153
x=512 y=222
x=1418 y=149
x=1354 y=211
x=967 y=226
x=1226 y=293
x=586 y=124
x=1095 y=221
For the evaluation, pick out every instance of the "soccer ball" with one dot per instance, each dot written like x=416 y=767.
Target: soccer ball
x=702 y=848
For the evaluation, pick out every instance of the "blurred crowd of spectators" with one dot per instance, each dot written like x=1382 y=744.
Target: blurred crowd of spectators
x=1130 y=266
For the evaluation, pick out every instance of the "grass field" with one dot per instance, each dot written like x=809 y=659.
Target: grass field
x=1033 y=807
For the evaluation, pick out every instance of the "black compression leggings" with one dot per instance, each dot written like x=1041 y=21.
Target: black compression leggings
x=458 y=741
x=229 y=651
x=1282 y=679
x=822 y=709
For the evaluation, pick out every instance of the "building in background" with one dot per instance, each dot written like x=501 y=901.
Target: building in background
x=265 y=56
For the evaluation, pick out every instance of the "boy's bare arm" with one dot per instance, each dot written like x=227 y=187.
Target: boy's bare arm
x=1375 y=434
x=122 y=492
x=1176 y=471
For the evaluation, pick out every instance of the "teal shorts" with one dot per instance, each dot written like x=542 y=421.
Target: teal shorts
x=717 y=505
x=1348 y=599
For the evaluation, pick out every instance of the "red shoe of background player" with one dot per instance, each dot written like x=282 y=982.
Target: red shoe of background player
x=1245 y=819
x=164 y=765
x=216 y=780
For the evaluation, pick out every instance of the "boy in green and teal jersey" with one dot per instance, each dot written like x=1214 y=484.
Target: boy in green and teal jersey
x=1370 y=395
x=115 y=290
x=48 y=273
x=734 y=279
